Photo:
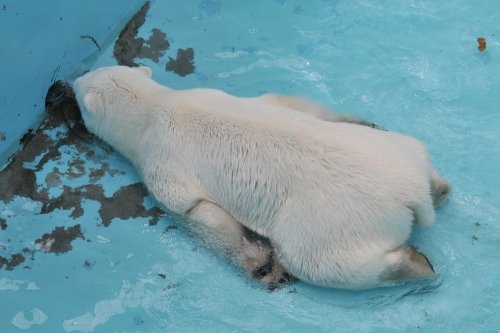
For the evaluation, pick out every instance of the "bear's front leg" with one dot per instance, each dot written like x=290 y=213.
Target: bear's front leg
x=222 y=232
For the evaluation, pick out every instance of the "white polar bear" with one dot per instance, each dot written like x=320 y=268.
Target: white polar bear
x=336 y=200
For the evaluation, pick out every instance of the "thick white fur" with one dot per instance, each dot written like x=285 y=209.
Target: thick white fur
x=336 y=200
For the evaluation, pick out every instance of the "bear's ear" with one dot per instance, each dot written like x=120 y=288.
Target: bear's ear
x=92 y=102
x=146 y=70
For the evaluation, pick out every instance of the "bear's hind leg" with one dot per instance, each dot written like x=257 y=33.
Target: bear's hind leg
x=222 y=232
x=406 y=263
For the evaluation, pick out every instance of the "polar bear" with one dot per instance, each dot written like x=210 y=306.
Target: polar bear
x=336 y=200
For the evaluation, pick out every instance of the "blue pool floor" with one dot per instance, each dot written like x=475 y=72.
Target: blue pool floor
x=85 y=250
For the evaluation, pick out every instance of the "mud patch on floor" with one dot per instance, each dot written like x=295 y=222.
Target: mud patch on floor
x=127 y=203
x=155 y=46
x=61 y=109
x=15 y=260
x=72 y=198
x=184 y=63
x=63 y=141
x=97 y=174
x=59 y=240
x=128 y=46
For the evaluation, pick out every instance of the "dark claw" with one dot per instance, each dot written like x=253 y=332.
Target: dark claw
x=265 y=269
x=285 y=278
x=272 y=286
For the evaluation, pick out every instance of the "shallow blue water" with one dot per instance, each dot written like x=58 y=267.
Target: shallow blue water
x=409 y=66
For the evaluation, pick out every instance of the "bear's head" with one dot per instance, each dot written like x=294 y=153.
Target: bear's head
x=103 y=92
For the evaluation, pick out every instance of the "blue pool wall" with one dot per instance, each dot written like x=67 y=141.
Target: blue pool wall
x=43 y=41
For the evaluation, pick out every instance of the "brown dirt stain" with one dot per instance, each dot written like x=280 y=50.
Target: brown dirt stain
x=184 y=63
